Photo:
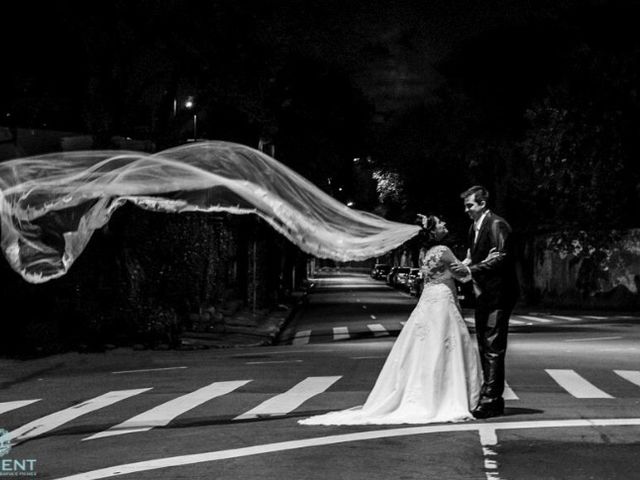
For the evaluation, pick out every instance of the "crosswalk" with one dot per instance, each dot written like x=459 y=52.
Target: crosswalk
x=163 y=414
x=391 y=328
x=573 y=384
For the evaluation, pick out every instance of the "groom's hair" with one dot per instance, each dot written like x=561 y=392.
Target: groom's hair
x=480 y=194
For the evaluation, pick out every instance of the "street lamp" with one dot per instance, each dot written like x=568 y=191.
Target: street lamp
x=189 y=104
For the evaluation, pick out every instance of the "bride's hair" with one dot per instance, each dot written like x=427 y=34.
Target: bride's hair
x=429 y=227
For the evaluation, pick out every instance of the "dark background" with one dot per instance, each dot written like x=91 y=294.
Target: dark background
x=536 y=100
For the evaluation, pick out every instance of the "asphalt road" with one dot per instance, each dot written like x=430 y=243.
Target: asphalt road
x=573 y=408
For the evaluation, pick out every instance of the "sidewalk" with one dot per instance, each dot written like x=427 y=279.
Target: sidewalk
x=246 y=329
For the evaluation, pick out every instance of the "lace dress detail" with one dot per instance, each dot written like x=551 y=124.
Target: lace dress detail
x=432 y=373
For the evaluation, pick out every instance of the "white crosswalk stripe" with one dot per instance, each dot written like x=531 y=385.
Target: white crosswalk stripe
x=290 y=400
x=163 y=414
x=509 y=394
x=576 y=385
x=302 y=337
x=377 y=329
x=534 y=319
x=49 y=422
x=563 y=317
x=8 y=406
x=631 y=375
x=517 y=322
x=341 y=333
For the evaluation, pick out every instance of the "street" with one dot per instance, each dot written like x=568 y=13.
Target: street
x=573 y=403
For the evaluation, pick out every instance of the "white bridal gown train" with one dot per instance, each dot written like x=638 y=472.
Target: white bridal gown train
x=433 y=372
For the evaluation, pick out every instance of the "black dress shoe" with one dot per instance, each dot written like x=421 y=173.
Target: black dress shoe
x=488 y=410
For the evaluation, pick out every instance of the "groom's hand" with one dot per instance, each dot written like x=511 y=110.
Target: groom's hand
x=461 y=271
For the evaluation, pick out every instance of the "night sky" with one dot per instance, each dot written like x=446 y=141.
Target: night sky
x=390 y=49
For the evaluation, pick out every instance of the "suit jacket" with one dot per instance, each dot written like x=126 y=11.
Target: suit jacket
x=495 y=280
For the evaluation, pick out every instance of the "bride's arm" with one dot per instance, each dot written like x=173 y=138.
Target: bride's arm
x=458 y=268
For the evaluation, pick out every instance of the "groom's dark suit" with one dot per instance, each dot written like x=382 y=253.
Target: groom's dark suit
x=496 y=287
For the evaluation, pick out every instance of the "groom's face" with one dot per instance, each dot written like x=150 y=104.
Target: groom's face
x=473 y=208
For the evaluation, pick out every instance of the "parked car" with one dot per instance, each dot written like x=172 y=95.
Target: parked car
x=414 y=282
x=402 y=275
x=380 y=271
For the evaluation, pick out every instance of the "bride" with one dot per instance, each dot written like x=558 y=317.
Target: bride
x=433 y=372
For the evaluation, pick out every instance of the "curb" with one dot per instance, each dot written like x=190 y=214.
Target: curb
x=295 y=310
x=244 y=336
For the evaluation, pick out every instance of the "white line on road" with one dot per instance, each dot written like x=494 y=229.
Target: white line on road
x=373 y=317
x=562 y=317
x=49 y=422
x=592 y=339
x=291 y=399
x=509 y=394
x=273 y=361
x=341 y=333
x=534 y=319
x=631 y=375
x=163 y=414
x=8 y=406
x=191 y=459
x=488 y=440
x=576 y=385
x=377 y=329
x=369 y=356
x=302 y=337
x=518 y=322
x=148 y=370
x=283 y=352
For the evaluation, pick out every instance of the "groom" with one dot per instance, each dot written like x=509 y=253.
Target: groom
x=490 y=265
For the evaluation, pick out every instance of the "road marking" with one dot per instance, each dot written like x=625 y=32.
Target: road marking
x=291 y=399
x=341 y=333
x=488 y=440
x=8 y=406
x=191 y=459
x=163 y=414
x=272 y=361
x=302 y=337
x=377 y=329
x=596 y=317
x=148 y=370
x=576 y=385
x=403 y=323
x=280 y=352
x=517 y=322
x=49 y=422
x=508 y=393
x=369 y=356
x=631 y=375
x=373 y=317
x=592 y=339
x=535 y=319
x=562 y=317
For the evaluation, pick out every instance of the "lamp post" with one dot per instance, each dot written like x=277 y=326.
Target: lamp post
x=190 y=104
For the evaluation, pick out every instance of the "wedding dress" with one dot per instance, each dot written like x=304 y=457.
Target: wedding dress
x=433 y=372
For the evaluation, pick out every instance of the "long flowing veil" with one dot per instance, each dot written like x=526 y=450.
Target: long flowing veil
x=50 y=205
